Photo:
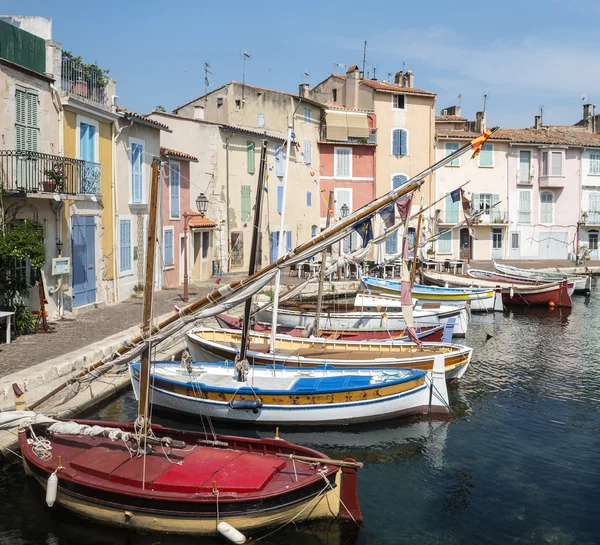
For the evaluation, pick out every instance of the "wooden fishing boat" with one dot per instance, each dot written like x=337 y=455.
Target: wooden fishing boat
x=553 y=293
x=509 y=279
x=190 y=483
x=582 y=282
x=321 y=396
x=425 y=334
x=481 y=300
x=214 y=345
x=424 y=315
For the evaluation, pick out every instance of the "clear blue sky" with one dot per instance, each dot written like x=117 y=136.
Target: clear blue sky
x=524 y=54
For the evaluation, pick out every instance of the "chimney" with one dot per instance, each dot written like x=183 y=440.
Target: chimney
x=198 y=112
x=453 y=110
x=537 y=124
x=304 y=90
x=352 y=87
x=587 y=111
x=398 y=78
x=480 y=122
x=409 y=79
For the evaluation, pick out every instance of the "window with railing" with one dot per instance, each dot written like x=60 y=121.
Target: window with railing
x=524 y=210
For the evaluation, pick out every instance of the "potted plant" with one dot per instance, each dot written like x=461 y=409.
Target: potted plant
x=430 y=252
x=55 y=178
x=24 y=320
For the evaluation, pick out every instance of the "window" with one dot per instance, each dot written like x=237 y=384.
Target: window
x=334 y=94
x=26 y=120
x=137 y=163
x=307 y=114
x=593 y=240
x=205 y=244
x=544 y=163
x=514 y=241
x=444 y=245
x=483 y=202
x=451 y=210
x=246 y=207
x=308 y=198
x=238 y=103
x=87 y=142
x=168 y=254
x=557 y=158
x=524 y=210
x=250 y=158
x=399 y=142
x=313 y=231
x=261 y=121
x=497 y=239
x=174 y=179
x=398 y=102
x=219 y=102
x=594 y=163
x=450 y=148
x=308 y=152
x=486 y=156
x=279 y=199
x=342 y=163
x=288 y=241
x=547 y=199
x=236 y=242
x=125 y=245
x=593 y=207
x=525 y=167
x=279 y=162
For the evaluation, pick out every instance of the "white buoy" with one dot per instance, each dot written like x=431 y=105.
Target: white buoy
x=228 y=531
x=51 y=489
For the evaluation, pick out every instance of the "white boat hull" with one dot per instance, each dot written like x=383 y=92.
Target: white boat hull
x=478 y=304
x=412 y=402
x=391 y=321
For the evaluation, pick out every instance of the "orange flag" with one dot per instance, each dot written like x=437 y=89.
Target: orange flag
x=478 y=142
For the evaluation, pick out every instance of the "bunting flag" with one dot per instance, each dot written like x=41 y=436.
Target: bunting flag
x=455 y=195
x=387 y=215
x=466 y=206
x=406 y=296
x=404 y=205
x=365 y=230
x=478 y=142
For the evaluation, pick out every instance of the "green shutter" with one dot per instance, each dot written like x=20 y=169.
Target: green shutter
x=26 y=120
x=250 y=149
x=246 y=209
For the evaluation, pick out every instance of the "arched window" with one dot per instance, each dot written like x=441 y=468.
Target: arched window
x=391 y=244
x=313 y=231
x=547 y=205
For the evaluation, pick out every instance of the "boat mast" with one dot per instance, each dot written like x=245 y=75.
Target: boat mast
x=253 y=251
x=416 y=245
x=280 y=245
x=323 y=267
x=143 y=404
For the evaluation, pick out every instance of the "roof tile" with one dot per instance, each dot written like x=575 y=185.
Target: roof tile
x=179 y=154
x=140 y=117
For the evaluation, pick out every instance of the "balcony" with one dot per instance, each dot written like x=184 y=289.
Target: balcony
x=494 y=217
x=32 y=172
x=593 y=218
x=371 y=139
x=84 y=81
x=552 y=181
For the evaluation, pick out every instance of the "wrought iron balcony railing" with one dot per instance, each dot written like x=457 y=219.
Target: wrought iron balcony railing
x=593 y=217
x=32 y=172
x=78 y=79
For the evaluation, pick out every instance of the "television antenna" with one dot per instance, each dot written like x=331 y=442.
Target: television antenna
x=246 y=55
x=207 y=71
x=305 y=74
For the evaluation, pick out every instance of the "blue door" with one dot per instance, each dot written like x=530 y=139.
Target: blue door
x=87 y=150
x=84 y=260
x=274 y=245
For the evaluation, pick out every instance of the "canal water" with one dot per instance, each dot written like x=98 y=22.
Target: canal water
x=518 y=462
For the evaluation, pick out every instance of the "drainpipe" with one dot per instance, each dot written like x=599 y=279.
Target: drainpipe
x=57 y=207
x=227 y=203
x=113 y=196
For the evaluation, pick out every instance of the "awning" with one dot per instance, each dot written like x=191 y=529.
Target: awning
x=358 y=126
x=337 y=126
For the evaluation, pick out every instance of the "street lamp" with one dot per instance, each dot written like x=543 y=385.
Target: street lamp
x=59 y=246
x=201 y=206
x=344 y=210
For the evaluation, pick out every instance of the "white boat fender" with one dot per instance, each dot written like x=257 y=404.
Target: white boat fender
x=512 y=292
x=228 y=531
x=51 y=489
x=246 y=404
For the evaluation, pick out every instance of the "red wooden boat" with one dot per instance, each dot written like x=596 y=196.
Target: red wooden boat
x=426 y=334
x=193 y=484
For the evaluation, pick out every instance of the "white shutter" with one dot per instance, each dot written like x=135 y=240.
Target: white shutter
x=307 y=152
x=343 y=162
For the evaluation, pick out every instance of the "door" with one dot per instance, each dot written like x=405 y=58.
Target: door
x=466 y=245
x=84 y=260
x=197 y=252
x=87 y=151
x=514 y=250
x=274 y=245
x=525 y=167
x=554 y=245
x=497 y=250
x=593 y=244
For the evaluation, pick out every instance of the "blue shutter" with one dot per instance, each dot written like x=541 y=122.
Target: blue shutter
x=174 y=184
x=279 y=162
x=288 y=241
x=125 y=245
x=308 y=198
x=274 y=245
x=403 y=142
x=391 y=244
x=398 y=180
x=279 y=199
x=307 y=152
x=168 y=243
x=313 y=231
x=136 y=173
x=445 y=243
x=396 y=146
x=451 y=210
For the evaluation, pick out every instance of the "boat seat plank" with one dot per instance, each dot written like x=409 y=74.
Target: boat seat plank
x=132 y=471
x=101 y=461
